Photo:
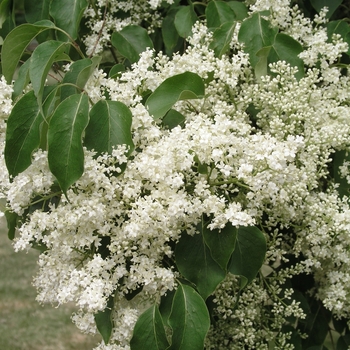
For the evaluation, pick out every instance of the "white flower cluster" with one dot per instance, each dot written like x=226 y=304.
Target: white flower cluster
x=265 y=148
x=102 y=20
x=5 y=110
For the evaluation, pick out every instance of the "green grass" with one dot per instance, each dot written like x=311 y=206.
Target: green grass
x=24 y=324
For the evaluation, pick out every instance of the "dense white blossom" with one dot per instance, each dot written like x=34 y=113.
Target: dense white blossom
x=268 y=167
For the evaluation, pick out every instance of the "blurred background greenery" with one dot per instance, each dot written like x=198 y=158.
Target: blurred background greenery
x=24 y=324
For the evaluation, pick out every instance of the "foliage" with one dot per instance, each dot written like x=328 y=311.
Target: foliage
x=182 y=167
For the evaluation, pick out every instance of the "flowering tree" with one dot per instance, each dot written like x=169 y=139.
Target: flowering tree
x=183 y=168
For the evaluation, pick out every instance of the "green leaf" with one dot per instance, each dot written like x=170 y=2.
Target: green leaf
x=11 y=219
x=189 y=320
x=249 y=253
x=78 y=74
x=36 y=10
x=149 y=332
x=15 y=44
x=22 y=133
x=256 y=33
x=183 y=86
x=343 y=342
x=222 y=38
x=185 y=18
x=67 y=15
x=131 y=41
x=339 y=27
x=195 y=263
x=240 y=9
x=285 y=48
x=169 y=33
x=22 y=80
x=65 y=149
x=221 y=243
x=261 y=67
x=5 y=7
x=110 y=125
x=218 y=13
x=103 y=320
x=332 y=5
x=173 y=118
x=166 y=303
x=41 y=62
x=116 y=71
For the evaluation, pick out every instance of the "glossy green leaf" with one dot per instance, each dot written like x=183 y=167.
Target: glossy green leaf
x=221 y=243
x=110 y=125
x=183 y=86
x=36 y=10
x=5 y=6
x=41 y=62
x=222 y=38
x=256 y=33
x=15 y=44
x=185 y=18
x=173 y=118
x=189 y=320
x=65 y=149
x=332 y=5
x=22 y=80
x=11 y=219
x=22 y=133
x=131 y=41
x=103 y=320
x=240 y=9
x=249 y=253
x=285 y=48
x=149 y=332
x=67 y=15
x=78 y=74
x=195 y=263
x=218 y=13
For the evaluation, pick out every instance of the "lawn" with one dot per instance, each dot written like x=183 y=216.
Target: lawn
x=24 y=324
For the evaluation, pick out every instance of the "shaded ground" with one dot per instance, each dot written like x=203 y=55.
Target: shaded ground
x=24 y=324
